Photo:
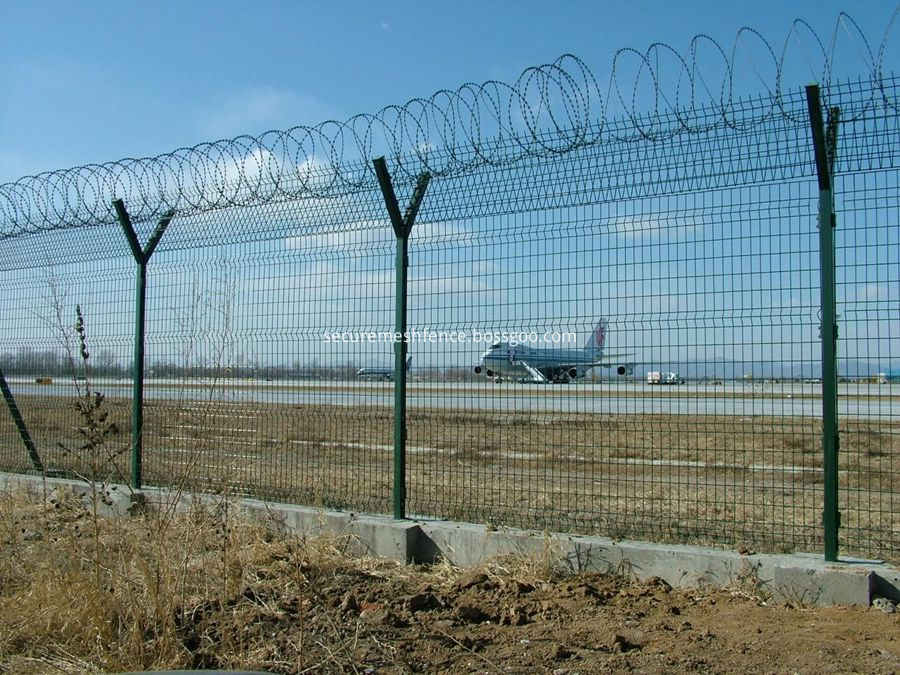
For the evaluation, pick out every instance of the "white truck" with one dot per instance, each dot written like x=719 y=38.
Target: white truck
x=660 y=377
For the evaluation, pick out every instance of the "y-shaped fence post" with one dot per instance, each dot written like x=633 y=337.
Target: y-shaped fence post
x=402 y=227
x=141 y=257
x=824 y=148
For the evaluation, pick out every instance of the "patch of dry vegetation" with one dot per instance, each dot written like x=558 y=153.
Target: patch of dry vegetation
x=212 y=587
x=161 y=588
x=204 y=587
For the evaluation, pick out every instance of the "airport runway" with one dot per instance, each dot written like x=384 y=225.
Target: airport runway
x=738 y=398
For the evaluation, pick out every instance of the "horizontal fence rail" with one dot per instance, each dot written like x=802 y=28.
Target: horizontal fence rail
x=606 y=325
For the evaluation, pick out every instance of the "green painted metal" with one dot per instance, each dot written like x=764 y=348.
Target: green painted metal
x=137 y=401
x=402 y=229
x=400 y=351
x=20 y=425
x=824 y=146
x=142 y=257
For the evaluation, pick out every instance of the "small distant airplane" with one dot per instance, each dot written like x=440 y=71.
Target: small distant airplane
x=545 y=366
x=386 y=374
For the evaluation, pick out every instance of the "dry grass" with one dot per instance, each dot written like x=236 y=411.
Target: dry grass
x=163 y=588
x=157 y=590
x=716 y=480
x=212 y=587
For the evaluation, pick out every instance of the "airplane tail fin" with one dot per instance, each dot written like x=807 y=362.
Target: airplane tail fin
x=597 y=339
x=409 y=363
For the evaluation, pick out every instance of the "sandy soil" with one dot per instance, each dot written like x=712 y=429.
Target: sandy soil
x=582 y=624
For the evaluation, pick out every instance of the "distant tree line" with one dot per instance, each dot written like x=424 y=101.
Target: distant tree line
x=54 y=363
x=171 y=370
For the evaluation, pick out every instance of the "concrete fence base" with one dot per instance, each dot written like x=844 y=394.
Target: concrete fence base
x=800 y=578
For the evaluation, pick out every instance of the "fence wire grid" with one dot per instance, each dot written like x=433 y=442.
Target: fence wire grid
x=686 y=242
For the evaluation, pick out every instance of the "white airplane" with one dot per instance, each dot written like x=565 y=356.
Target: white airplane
x=380 y=373
x=547 y=366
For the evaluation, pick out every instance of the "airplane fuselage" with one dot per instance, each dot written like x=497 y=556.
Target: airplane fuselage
x=558 y=365
x=375 y=374
x=503 y=360
x=386 y=374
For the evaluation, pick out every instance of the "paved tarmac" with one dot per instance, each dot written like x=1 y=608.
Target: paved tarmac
x=738 y=398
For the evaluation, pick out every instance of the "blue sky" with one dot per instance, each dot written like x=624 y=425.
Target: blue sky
x=98 y=81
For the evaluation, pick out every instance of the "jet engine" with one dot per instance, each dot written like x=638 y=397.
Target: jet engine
x=478 y=370
x=625 y=369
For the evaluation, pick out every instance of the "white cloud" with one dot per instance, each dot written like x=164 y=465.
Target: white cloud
x=370 y=233
x=260 y=109
x=361 y=234
x=242 y=182
x=864 y=292
x=250 y=168
x=457 y=285
x=651 y=225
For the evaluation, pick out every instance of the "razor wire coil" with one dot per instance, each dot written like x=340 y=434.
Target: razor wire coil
x=549 y=110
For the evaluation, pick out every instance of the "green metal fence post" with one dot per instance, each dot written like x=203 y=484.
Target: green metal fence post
x=20 y=425
x=402 y=227
x=141 y=257
x=824 y=147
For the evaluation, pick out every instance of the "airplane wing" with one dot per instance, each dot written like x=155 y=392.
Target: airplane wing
x=534 y=372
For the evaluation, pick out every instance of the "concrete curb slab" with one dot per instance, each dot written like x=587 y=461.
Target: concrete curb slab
x=800 y=578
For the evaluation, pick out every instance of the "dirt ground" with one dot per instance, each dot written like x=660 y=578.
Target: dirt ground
x=212 y=589
x=582 y=624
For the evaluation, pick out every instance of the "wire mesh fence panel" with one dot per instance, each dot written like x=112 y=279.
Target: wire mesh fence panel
x=65 y=352
x=613 y=324
x=613 y=265
x=868 y=305
x=255 y=396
